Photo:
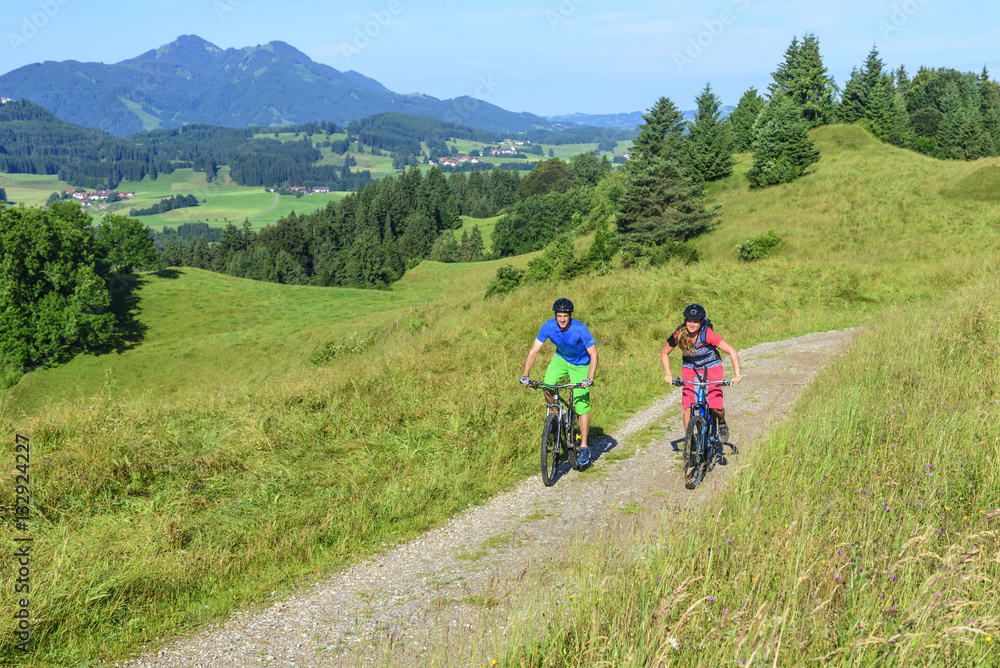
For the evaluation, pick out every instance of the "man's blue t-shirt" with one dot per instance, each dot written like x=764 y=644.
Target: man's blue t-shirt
x=572 y=344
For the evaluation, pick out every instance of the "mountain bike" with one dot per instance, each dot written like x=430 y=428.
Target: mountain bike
x=559 y=433
x=702 y=447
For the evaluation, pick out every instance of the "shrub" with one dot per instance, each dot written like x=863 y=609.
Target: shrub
x=507 y=279
x=331 y=350
x=636 y=255
x=759 y=247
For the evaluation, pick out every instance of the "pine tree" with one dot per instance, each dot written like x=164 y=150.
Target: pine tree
x=366 y=265
x=815 y=90
x=953 y=119
x=418 y=236
x=879 y=111
x=394 y=261
x=900 y=132
x=855 y=103
x=662 y=133
x=742 y=119
x=710 y=144
x=476 y=245
x=660 y=204
x=782 y=149
x=463 y=247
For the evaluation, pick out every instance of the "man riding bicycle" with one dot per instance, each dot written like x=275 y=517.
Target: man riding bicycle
x=700 y=352
x=576 y=356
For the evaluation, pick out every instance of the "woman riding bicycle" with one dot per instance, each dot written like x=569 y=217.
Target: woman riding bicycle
x=699 y=350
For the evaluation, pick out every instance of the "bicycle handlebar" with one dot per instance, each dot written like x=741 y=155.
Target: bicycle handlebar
x=680 y=381
x=535 y=384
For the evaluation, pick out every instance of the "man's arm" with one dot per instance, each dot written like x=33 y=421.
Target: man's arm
x=535 y=347
x=592 y=351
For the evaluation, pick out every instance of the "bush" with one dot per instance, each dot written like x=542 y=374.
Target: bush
x=759 y=247
x=507 y=279
x=635 y=255
x=331 y=350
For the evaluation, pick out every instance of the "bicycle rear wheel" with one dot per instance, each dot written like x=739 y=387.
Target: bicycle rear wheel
x=714 y=445
x=550 y=449
x=694 y=452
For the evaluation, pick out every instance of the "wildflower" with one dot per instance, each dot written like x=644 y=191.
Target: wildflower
x=989 y=638
x=673 y=643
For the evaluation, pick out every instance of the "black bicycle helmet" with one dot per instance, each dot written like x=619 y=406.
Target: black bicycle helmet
x=694 y=312
x=563 y=305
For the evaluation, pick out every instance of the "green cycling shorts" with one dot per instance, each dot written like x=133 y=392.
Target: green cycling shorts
x=558 y=369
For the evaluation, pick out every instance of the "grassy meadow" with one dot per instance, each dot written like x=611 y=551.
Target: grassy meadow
x=224 y=200
x=227 y=468
x=862 y=532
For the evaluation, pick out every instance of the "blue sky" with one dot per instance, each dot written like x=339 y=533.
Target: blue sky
x=547 y=56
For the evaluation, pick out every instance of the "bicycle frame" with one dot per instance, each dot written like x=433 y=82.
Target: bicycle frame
x=708 y=436
x=560 y=428
x=563 y=407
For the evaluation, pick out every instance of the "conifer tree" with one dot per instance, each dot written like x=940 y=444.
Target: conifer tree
x=855 y=103
x=710 y=144
x=782 y=149
x=660 y=204
x=463 y=247
x=366 y=265
x=662 y=133
x=953 y=119
x=476 y=245
x=900 y=132
x=742 y=119
x=803 y=78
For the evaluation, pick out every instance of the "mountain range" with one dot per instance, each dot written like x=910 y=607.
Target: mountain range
x=191 y=80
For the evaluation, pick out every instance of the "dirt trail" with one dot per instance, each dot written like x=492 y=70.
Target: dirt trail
x=421 y=603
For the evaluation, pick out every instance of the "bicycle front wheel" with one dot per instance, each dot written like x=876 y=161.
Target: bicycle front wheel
x=694 y=452
x=550 y=449
x=572 y=446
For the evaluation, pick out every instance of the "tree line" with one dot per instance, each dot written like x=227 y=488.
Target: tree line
x=166 y=204
x=368 y=239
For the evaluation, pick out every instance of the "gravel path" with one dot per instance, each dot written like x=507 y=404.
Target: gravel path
x=441 y=598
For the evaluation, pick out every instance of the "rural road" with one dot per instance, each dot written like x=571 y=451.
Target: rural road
x=276 y=198
x=442 y=598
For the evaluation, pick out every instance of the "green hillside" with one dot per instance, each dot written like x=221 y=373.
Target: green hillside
x=206 y=460
x=208 y=332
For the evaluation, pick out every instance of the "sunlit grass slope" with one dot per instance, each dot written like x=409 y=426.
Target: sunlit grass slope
x=156 y=512
x=862 y=532
x=201 y=331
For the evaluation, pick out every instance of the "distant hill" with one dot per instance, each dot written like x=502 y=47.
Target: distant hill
x=191 y=80
x=624 y=121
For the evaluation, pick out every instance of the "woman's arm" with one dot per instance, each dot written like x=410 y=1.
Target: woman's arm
x=729 y=350
x=667 y=348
